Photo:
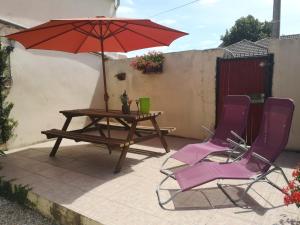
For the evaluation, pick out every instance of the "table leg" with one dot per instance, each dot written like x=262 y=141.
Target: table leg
x=94 y=121
x=125 y=149
x=103 y=135
x=160 y=135
x=108 y=127
x=127 y=127
x=58 y=140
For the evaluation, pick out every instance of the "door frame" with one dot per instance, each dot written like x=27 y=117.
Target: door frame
x=268 y=82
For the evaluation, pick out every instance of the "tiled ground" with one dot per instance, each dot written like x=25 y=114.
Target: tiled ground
x=81 y=178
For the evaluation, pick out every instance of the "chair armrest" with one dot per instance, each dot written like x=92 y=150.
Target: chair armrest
x=263 y=159
x=238 y=146
x=238 y=137
x=235 y=144
x=207 y=130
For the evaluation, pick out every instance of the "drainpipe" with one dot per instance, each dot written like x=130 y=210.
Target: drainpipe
x=276 y=19
x=117 y=4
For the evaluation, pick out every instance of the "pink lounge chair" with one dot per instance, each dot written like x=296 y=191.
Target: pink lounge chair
x=254 y=164
x=232 y=125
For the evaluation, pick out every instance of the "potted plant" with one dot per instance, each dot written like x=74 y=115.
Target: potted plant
x=125 y=103
x=152 y=62
x=292 y=191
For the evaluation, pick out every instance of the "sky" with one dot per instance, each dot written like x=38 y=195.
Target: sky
x=207 y=20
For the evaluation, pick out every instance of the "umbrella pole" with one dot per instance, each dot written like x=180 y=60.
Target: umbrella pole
x=106 y=97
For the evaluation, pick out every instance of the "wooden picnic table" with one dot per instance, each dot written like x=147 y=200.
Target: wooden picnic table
x=98 y=122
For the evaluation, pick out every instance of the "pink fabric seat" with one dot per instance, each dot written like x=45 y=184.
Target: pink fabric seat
x=234 y=118
x=272 y=138
x=193 y=153
x=255 y=163
x=205 y=172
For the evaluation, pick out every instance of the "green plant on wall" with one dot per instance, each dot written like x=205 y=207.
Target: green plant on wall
x=7 y=124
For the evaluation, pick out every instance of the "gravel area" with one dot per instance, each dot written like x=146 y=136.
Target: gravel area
x=14 y=214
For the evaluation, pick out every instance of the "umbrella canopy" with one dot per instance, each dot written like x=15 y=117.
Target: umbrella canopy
x=99 y=34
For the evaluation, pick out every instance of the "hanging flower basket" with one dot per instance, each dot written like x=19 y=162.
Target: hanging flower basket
x=149 y=63
x=153 y=68
x=121 y=76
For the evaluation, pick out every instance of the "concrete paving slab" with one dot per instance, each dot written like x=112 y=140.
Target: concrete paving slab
x=79 y=184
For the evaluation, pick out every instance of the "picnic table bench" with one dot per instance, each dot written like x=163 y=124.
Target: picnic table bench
x=100 y=121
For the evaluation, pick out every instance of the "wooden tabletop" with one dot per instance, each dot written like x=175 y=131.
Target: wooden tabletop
x=110 y=113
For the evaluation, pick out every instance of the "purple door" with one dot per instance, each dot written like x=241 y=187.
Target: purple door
x=250 y=76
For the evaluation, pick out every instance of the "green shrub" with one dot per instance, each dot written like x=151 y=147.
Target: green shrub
x=16 y=193
x=7 y=124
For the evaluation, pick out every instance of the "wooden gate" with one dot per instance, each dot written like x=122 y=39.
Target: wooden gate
x=250 y=76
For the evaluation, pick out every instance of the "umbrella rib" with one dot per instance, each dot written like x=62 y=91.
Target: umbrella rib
x=85 y=33
x=119 y=30
x=84 y=40
x=143 y=35
x=119 y=42
x=101 y=39
x=47 y=27
x=96 y=31
x=100 y=35
x=107 y=29
x=49 y=38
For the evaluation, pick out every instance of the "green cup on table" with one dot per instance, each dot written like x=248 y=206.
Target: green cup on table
x=144 y=103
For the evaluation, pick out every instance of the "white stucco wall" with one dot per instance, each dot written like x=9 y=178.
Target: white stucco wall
x=286 y=80
x=46 y=82
x=29 y=13
x=185 y=91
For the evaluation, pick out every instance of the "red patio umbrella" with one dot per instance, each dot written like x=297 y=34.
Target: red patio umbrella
x=99 y=34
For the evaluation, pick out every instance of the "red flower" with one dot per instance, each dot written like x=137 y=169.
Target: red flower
x=291 y=184
x=285 y=190
x=296 y=173
x=295 y=196
x=287 y=200
x=292 y=191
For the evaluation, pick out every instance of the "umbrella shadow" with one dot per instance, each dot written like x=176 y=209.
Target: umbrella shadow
x=97 y=100
x=88 y=59
x=92 y=61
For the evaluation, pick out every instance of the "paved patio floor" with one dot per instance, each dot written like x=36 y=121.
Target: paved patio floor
x=81 y=178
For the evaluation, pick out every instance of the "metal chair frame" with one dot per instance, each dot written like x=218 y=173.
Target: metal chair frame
x=262 y=177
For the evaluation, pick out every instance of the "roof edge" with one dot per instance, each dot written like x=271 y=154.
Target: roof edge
x=6 y=22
